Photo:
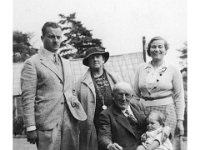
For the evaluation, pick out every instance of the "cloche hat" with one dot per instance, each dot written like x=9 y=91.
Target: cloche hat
x=95 y=50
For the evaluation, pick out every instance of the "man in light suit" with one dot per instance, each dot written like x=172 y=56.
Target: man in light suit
x=50 y=107
x=122 y=124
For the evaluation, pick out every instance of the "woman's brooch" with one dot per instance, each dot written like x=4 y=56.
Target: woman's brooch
x=162 y=70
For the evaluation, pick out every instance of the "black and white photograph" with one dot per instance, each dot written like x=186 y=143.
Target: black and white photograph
x=99 y=75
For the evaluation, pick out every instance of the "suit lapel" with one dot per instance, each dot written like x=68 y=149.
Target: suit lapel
x=121 y=119
x=140 y=118
x=68 y=79
x=49 y=64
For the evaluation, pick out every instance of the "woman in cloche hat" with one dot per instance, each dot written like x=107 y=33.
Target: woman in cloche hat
x=94 y=92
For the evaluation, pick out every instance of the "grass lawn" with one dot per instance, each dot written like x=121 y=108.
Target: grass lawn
x=22 y=144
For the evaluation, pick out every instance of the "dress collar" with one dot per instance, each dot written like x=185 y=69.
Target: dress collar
x=160 y=69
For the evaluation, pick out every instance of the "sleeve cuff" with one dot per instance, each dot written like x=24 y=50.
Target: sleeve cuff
x=108 y=146
x=31 y=128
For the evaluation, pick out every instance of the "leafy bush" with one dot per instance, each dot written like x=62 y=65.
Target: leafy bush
x=18 y=126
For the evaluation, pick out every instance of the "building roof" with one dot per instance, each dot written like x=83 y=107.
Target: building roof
x=125 y=65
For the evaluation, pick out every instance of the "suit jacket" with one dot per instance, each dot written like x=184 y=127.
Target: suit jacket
x=115 y=127
x=44 y=91
x=87 y=96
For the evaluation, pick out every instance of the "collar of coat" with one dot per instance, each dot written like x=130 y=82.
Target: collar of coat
x=67 y=73
x=87 y=79
x=121 y=119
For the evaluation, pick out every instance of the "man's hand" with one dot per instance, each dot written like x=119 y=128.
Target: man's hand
x=165 y=133
x=114 y=146
x=32 y=136
x=180 y=127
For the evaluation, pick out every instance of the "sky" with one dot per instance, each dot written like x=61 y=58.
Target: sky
x=120 y=24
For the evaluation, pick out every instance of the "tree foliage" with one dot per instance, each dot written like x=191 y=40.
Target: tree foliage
x=18 y=126
x=77 y=37
x=22 y=48
x=183 y=56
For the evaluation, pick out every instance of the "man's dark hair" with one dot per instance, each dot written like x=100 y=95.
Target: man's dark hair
x=50 y=24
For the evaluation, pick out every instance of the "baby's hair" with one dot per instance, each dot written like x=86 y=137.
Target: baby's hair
x=160 y=117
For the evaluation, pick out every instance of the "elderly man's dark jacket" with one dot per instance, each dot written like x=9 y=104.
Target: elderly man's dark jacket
x=115 y=127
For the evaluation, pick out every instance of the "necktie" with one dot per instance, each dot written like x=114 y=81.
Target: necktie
x=58 y=66
x=56 y=59
x=131 y=116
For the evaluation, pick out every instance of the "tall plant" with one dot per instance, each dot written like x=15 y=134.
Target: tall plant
x=77 y=37
x=22 y=48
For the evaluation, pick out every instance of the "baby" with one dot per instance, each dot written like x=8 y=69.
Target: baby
x=156 y=138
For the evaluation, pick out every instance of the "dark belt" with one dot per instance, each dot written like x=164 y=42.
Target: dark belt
x=155 y=98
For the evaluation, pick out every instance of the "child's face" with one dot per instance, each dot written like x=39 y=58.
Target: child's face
x=153 y=123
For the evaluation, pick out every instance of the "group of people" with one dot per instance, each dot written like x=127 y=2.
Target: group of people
x=100 y=111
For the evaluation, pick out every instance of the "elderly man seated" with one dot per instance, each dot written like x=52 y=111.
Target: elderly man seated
x=122 y=124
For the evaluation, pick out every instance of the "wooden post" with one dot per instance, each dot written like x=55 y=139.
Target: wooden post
x=144 y=48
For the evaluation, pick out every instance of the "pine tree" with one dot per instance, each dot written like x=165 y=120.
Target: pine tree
x=77 y=37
